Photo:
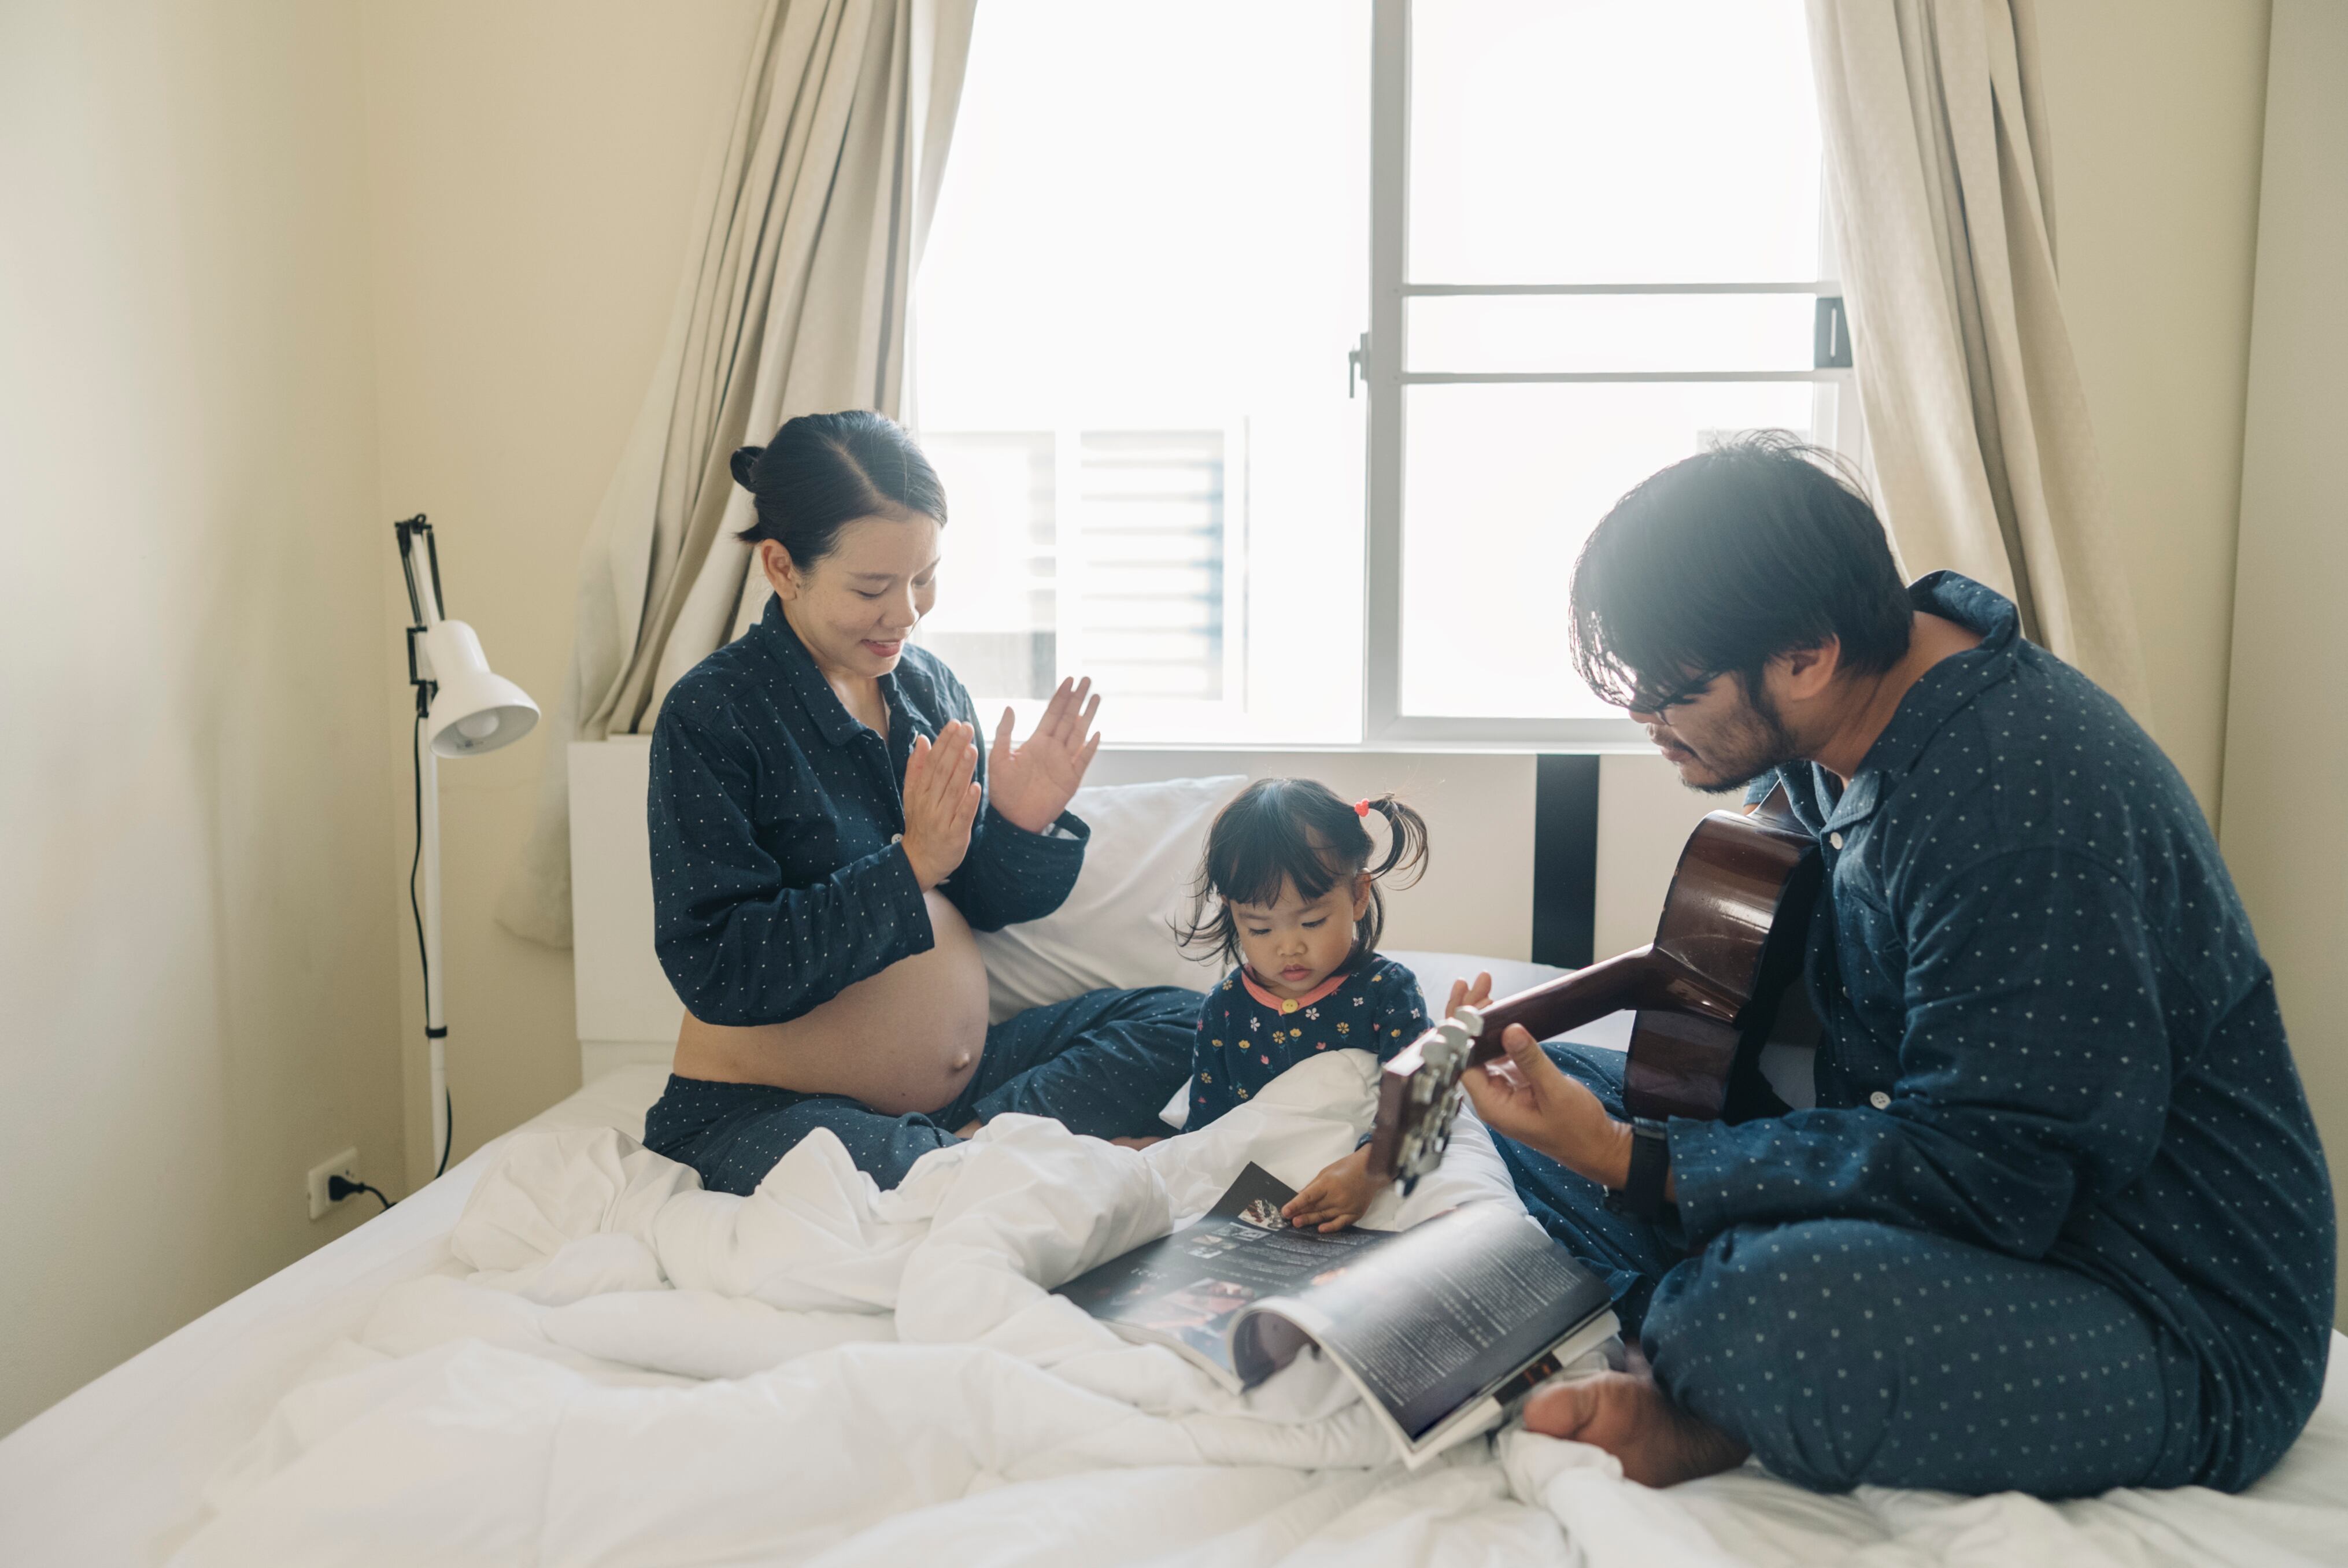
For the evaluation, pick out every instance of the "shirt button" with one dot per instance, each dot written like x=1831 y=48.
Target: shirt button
x=1879 y=1100
x=1835 y=838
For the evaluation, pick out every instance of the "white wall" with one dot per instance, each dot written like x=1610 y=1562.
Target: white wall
x=532 y=167
x=196 y=942
x=2286 y=834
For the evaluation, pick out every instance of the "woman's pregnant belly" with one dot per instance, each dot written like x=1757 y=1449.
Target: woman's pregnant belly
x=906 y=1039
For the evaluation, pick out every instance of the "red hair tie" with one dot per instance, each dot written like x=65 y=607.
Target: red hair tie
x=1361 y=807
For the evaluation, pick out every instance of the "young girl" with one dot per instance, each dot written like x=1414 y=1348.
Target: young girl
x=1296 y=902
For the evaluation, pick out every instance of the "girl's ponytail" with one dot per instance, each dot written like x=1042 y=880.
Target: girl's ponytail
x=1407 y=846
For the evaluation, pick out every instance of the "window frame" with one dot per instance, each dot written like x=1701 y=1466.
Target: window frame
x=1384 y=355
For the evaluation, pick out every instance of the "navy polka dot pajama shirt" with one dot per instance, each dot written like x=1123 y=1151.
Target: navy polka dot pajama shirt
x=778 y=881
x=1248 y=1036
x=2059 y=1221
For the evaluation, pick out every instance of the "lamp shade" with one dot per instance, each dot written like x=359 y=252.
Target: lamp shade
x=474 y=709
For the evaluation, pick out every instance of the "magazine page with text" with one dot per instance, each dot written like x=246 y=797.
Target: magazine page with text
x=1183 y=1291
x=1443 y=1328
x=1437 y=1319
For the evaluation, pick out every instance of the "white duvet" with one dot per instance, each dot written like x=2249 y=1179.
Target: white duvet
x=621 y=1368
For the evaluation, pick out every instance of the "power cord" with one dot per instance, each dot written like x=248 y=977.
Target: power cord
x=341 y=1187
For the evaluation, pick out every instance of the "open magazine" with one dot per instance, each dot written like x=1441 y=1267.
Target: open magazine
x=1443 y=1327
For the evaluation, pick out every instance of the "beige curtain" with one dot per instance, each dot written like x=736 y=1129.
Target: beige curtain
x=1937 y=154
x=794 y=301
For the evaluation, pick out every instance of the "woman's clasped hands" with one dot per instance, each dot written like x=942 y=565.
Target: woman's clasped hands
x=1030 y=783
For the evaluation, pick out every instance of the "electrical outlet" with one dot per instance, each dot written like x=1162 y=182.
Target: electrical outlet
x=345 y=1165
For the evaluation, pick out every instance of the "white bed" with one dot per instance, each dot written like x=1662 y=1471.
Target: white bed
x=562 y=1352
x=118 y=1473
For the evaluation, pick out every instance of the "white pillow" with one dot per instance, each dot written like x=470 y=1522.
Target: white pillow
x=1116 y=927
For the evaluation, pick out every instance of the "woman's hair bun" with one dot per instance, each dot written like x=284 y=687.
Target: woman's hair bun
x=823 y=471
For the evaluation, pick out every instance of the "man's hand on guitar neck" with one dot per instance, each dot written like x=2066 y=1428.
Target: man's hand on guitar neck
x=1524 y=1095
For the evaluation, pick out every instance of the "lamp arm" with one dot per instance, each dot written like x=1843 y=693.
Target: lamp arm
x=424 y=599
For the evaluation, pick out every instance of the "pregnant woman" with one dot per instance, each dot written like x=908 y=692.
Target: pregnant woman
x=826 y=835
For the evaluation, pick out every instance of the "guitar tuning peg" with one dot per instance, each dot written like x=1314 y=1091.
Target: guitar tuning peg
x=1470 y=1021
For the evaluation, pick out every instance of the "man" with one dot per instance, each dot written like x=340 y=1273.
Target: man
x=2059 y=1221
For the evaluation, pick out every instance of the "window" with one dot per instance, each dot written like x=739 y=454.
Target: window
x=1584 y=239
x=1137 y=585
x=1129 y=363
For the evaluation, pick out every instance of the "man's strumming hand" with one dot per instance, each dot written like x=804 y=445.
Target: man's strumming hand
x=1525 y=1096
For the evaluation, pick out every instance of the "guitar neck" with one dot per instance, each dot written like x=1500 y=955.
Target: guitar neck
x=1584 y=996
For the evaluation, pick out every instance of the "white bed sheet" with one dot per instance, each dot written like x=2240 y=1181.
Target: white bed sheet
x=117 y=1472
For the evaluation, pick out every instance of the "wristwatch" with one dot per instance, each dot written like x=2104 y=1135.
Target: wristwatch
x=1641 y=1196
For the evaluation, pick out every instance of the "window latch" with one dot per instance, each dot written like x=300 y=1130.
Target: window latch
x=1830 y=342
x=1357 y=362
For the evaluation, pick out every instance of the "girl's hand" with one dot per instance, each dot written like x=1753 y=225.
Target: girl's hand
x=1466 y=995
x=941 y=798
x=1338 y=1197
x=1525 y=1096
x=1031 y=784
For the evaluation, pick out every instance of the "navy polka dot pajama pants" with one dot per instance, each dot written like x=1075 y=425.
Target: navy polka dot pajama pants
x=1104 y=1063
x=1847 y=1352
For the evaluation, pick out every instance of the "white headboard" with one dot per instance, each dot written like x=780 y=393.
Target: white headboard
x=628 y=1013
x=1477 y=895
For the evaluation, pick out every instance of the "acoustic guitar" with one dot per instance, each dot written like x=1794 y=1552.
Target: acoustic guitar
x=1708 y=990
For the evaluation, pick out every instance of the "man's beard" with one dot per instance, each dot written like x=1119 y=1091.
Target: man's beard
x=1758 y=742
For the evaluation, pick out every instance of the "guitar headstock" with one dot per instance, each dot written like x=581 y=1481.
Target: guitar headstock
x=1419 y=1093
x=1419 y=1098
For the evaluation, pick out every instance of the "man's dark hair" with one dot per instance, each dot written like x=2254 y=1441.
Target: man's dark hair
x=1722 y=562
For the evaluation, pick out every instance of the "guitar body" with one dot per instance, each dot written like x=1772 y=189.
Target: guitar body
x=1708 y=990
x=1735 y=923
